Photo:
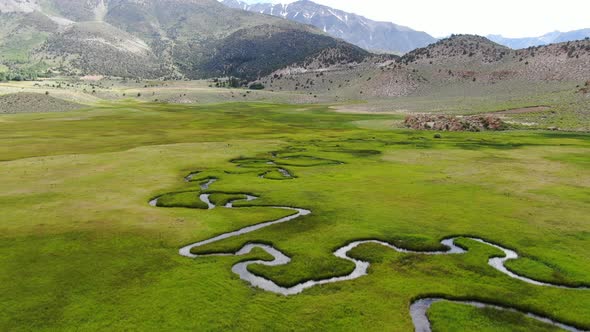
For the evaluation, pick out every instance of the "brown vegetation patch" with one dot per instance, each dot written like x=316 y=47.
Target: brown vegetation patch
x=503 y=75
x=365 y=109
x=522 y=110
x=34 y=103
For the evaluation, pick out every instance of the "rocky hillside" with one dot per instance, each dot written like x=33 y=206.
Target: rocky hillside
x=91 y=47
x=461 y=60
x=462 y=49
x=355 y=29
x=465 y=57
x=561 y=61
x=151 y=38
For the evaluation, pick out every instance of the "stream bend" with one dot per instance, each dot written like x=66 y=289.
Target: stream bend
x=419 y=313
x=418 y=309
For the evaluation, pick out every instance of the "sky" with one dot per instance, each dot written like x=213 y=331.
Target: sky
x=510 y=18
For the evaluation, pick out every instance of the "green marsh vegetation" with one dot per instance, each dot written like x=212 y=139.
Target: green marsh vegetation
x=188 y=199
x=83 y=250
x=488 y=320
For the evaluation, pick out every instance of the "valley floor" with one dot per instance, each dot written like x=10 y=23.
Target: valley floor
x=555 y=105
x=82 y=249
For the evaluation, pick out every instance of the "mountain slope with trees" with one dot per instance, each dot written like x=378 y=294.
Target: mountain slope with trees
x=151 y=38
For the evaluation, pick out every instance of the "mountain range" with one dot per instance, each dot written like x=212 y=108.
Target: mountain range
x=196 y=39
x=380 y=36
x=549 y=38
x=153 y=39
x=355 y=29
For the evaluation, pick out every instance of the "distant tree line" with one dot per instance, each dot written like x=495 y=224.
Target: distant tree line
x=257 y=86
x=231 y=82
x=21 y=75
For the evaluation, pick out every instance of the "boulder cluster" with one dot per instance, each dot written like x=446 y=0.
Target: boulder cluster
x=454 y=123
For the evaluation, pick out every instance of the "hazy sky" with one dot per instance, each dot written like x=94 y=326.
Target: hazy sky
x=511 y=18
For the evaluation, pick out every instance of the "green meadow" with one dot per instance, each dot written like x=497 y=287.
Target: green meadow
x=81 y=248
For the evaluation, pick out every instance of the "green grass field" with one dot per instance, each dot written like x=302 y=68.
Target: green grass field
x=81 y=249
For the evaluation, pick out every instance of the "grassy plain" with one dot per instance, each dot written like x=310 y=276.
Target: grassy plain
x=566 y=108
x=81 y=249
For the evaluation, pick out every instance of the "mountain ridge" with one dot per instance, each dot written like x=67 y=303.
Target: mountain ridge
x=152 y=38
x=546 y=39
x=371 y=35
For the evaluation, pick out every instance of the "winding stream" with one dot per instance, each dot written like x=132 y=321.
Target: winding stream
x=418 y=309
x=285 y=173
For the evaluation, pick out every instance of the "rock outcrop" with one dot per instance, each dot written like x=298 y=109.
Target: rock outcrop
x=454 y=123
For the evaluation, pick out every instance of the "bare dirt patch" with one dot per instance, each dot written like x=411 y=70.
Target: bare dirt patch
x=92 y=78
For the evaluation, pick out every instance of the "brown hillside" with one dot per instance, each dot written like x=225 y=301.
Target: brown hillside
x=34 y=103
